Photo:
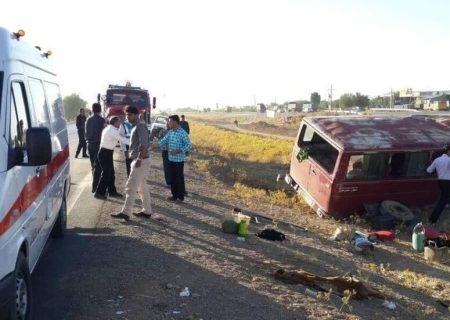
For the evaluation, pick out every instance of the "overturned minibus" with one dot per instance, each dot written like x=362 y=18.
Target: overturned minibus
x=340 y=163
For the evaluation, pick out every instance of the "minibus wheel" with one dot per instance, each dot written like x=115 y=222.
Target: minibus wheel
x=59 y=229
x=21 y=306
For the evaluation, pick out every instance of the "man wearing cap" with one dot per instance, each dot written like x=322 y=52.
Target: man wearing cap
x=442 y=166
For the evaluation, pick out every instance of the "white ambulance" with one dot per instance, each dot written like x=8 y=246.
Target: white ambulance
x=34 y=167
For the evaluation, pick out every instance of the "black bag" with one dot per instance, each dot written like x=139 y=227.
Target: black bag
x=271 y=234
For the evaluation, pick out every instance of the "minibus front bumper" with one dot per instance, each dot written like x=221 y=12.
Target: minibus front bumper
x=290 y=181
x=6 y=294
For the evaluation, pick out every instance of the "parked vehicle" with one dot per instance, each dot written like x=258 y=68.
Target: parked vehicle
x=340 y=163
x=117 y=97
x=34 y=168
x=156 y=126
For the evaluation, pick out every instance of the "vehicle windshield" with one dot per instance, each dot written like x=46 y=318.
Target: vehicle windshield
x=135 y=99
x=161 y=120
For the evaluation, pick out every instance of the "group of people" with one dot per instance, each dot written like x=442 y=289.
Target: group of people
x=101 y=138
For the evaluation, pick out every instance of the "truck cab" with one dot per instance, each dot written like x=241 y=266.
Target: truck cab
x=118 y=97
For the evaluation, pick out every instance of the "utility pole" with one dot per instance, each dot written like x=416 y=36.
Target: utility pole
x=330 y=97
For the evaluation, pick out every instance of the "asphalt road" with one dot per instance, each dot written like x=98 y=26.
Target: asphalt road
x=61 y=256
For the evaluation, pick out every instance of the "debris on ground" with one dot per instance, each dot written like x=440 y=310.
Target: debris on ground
x=271 y=234
x=342 y=283
x=185 y=292
x=389 y=305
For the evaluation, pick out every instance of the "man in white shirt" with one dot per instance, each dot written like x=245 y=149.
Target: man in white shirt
x=110 y=137
x=442 y=166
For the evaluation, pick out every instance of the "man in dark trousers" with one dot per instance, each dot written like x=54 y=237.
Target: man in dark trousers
x=442 y=166
x=94 y=127
x=110 y=137
x=165 y=154
x=81 y=123
x=178 y=144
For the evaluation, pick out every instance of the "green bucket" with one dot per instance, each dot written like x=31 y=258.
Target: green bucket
x=243 y=229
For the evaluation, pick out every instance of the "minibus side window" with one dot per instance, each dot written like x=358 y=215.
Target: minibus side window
x=367 y=166
x=314 y=146
x=38 y=97
x=408 y=164
x=19 y=124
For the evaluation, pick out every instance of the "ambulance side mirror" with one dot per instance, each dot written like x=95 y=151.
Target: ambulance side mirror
x=154 y=103
x=39 y=146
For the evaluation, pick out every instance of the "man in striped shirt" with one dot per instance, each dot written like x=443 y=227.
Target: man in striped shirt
x=177 y=142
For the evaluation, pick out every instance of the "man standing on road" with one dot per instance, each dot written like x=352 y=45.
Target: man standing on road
x=81 y=124
x=139 y=152
x=442 y=166
x=125 y=131
x=110 y=136
x=178 y=144
x=94 y=127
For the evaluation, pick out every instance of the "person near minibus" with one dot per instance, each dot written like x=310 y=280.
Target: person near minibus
x=442 y=166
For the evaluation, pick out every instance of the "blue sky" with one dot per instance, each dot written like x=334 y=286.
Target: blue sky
x=199 y=53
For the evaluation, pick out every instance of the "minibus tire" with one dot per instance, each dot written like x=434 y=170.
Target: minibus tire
x=397 y=210
x=21 y=304
x=59 y=229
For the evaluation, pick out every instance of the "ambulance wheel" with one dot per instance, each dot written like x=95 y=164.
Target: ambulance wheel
x=59 y=229
x=397 y=210
x=21 y=306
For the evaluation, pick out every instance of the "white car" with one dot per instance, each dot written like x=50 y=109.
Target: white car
x=156 y=126
x=34 y=168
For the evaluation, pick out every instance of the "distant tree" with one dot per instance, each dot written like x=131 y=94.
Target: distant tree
x=323 y=105
x=346 y=100
x=336 y=104
x=361 y=100
x=315 y=98
x=72 y=105
x=379 y=102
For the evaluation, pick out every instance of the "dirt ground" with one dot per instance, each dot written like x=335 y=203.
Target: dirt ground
x=136 y=270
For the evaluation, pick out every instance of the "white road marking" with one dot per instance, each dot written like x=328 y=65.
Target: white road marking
x=77 y=190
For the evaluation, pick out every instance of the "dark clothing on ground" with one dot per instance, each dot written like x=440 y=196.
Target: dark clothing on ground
x=107 y=178
x=80 y=123
x=185 y=126
x=177 y=179
x=166 y=166
x=444 y=187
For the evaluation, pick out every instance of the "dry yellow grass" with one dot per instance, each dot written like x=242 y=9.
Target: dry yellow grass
x=241 y=146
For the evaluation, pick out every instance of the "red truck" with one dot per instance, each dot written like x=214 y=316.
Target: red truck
x=117 y=97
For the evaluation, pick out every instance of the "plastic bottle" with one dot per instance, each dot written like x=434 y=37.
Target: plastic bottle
x=418 y=237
